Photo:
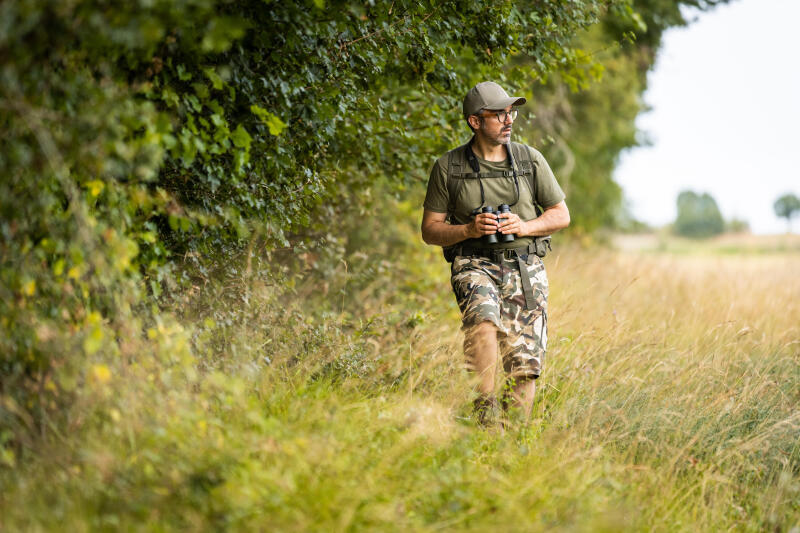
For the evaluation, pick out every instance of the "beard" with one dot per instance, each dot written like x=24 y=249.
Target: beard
x=504 y=137
x=501 y=137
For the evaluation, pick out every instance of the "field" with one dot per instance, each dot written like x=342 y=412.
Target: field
x=669 y=402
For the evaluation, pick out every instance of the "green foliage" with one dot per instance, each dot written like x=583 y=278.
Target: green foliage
x=787 y=206
x=146 y=147
x=698 y=216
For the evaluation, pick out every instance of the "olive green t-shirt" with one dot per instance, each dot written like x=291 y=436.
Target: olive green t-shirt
x=497 y=190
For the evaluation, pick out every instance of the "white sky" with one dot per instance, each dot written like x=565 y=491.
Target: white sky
x=725 y=119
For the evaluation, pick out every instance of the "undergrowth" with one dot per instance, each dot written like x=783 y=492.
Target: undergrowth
x=336 y=400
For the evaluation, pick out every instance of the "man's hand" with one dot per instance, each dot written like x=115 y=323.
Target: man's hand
x=482 y=224
x=510 y=223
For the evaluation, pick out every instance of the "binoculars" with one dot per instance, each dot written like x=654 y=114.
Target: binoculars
x=494 y=238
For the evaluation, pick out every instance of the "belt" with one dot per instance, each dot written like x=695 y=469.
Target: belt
x=496 y=255
x=520 y=254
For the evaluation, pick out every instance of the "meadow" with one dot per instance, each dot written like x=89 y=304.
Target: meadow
x=669 y=402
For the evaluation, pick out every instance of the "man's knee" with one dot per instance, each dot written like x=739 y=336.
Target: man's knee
x=482 y=329
x=480 y=346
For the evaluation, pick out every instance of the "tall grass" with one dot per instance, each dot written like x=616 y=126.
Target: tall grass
x=669 y=402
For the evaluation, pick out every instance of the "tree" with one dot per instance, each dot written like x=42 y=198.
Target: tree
x=698 y=216
x=787 y=206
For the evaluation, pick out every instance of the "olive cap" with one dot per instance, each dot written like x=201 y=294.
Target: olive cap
x=488 y=95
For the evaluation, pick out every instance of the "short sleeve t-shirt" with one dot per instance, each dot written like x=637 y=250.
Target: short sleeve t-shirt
x=496 y=191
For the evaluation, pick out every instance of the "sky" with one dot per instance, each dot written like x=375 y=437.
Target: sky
x=725 y=116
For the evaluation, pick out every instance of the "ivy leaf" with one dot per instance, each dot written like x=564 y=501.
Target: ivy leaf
x=213 y=77
x=275 y=125
x=240 y=138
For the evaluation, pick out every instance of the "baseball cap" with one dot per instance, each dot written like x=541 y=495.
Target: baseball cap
x=488 y=95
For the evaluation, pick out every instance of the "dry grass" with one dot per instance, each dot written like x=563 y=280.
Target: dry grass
x=669 y=402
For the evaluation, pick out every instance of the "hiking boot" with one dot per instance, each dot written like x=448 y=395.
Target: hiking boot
x=484 y=408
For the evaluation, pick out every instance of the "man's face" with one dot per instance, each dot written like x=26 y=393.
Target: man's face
x=493 y=130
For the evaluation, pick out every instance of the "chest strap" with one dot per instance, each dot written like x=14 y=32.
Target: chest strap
x=489 y=174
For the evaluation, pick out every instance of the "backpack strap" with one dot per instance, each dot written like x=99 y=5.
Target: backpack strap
x=529 y=166
x=526 y=166
x=456 y=163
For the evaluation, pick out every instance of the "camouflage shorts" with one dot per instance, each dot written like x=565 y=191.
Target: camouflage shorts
x=489 y=291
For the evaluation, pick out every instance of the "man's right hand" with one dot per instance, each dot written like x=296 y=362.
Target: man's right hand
x=482 y=224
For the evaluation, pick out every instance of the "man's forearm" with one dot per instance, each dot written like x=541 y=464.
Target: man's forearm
x=444 y=234
x=436 y=231
x=547 y=223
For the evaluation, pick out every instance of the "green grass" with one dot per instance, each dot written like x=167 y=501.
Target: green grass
x=668 y=403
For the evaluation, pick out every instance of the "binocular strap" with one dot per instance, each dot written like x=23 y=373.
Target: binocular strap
x=525 y=276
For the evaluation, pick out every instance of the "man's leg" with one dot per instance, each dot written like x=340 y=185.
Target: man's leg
x=475 y=282
x=480 y=351
x=520 y=392
x=525 y=340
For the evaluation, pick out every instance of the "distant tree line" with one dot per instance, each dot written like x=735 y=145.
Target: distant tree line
x=700 y=217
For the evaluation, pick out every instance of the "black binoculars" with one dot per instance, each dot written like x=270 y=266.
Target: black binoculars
x=494 y=238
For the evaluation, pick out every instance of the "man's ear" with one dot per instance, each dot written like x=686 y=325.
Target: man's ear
x=474 y=121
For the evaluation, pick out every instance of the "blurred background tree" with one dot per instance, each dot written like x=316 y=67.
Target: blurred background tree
x=698 y=216
x=787 y=206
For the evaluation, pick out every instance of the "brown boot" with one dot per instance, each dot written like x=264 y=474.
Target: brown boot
x=484 y=408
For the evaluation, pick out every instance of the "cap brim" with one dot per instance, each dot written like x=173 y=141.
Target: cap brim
x=505 y=102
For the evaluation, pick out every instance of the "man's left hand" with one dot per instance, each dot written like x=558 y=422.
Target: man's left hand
x=511 y=223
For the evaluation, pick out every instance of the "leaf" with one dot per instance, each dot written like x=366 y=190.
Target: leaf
x=93 y=341
x=95 y=187
x=29 y=287
x=240 y=138
x=100 y=374
x=213 y=77
x=275 y=125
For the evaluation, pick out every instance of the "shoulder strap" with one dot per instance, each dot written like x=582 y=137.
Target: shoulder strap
x=528 y=168
x=456 y=166
x=533 y=179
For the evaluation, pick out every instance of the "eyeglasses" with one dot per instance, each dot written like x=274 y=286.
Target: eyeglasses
x=502 y=116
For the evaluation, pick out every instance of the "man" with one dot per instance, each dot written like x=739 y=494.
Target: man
x=501 y=287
